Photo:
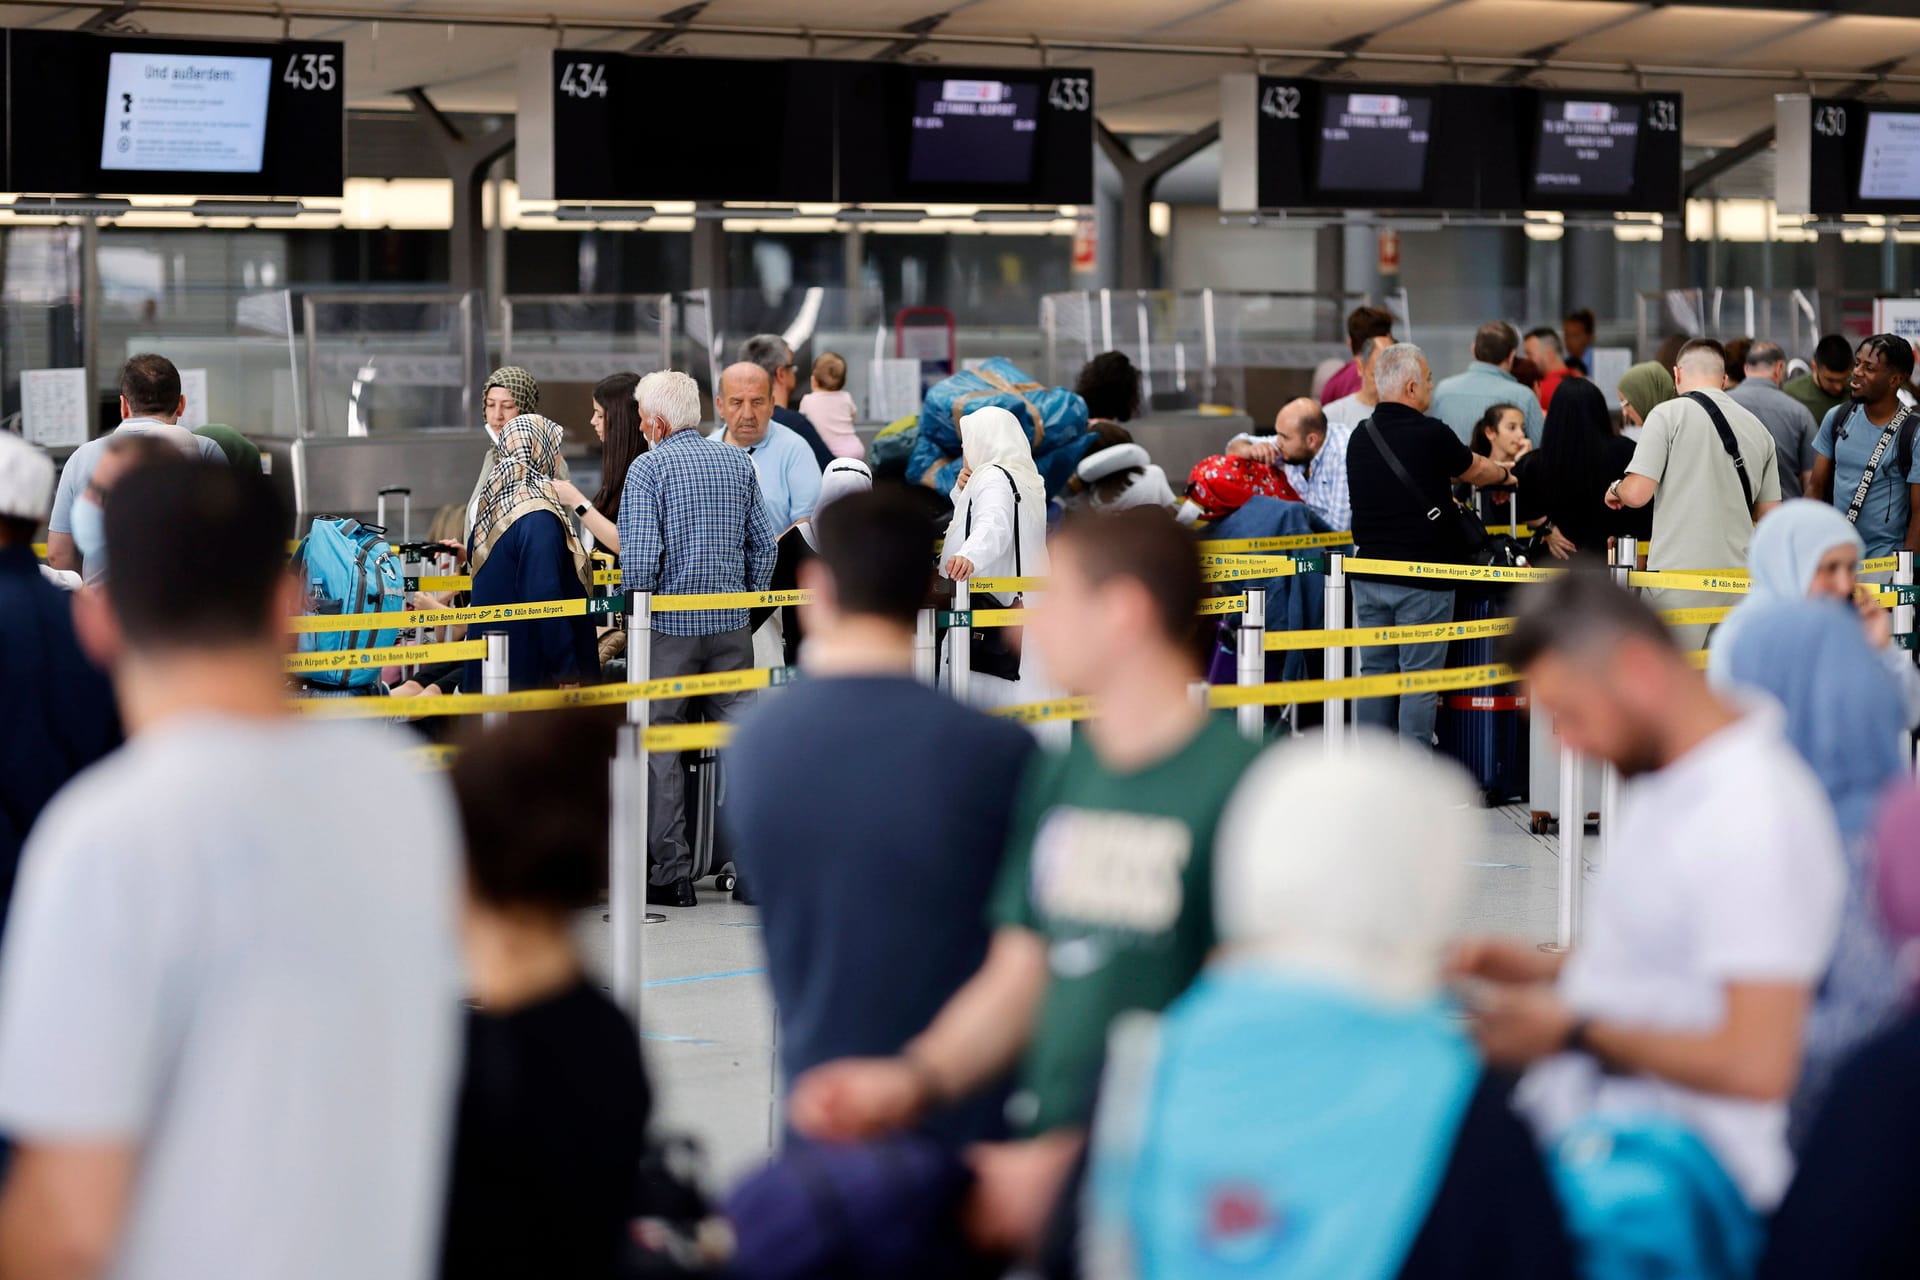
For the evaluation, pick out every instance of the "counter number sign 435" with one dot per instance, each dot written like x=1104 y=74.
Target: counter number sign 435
x=311 y=71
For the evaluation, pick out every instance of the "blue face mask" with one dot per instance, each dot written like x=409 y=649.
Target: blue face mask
x=90 y=536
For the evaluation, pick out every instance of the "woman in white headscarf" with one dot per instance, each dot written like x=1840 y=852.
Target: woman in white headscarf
x=1807 y=550
x=1314 y=1097
x=999 y=530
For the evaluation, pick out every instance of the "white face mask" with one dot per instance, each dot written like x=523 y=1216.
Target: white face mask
x=492 y=435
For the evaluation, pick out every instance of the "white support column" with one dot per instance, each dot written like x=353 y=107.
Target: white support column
x=1252 y=642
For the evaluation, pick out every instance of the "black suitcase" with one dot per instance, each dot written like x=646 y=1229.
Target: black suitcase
x=705 y=791
x=1485 y=729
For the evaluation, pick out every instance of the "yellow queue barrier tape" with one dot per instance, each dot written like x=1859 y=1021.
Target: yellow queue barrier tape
x=434 y=759
x=1449 y=572
x=1694 y=617
x=997 y=585
x=467 y=704
x=470 y=615
x=1222 y=604
x=464 y=581
x=997 y=617
x=687 y=737
x=1726 y=583
x=1045 y=712
x=1288 y=542
x=347 y=659
x=1247 y=567
x=730 y=600
x=1296 y=691
x=1883 y=564
x=1361 y=637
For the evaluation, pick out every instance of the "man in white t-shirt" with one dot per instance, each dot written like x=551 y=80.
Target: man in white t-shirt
x=1711 y=920
x=229 y=995
x=1351 y=411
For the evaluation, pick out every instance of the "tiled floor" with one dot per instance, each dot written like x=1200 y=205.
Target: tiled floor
x=709 y=1021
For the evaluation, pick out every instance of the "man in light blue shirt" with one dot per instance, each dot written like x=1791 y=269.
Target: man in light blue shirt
x=789 y=476
x=1461 y=400
x=1853 y=434
x=150 y=400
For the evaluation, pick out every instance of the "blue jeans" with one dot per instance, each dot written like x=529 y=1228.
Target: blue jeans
x=1390 y=604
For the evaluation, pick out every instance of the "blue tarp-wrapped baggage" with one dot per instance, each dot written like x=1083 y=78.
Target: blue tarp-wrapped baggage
x=1054 y=418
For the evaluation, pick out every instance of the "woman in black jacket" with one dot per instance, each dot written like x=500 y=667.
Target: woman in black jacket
x=1566 y=478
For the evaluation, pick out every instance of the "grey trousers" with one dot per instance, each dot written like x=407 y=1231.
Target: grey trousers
x=669 y=857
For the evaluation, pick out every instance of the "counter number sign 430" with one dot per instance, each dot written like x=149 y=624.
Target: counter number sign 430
x=584 y=80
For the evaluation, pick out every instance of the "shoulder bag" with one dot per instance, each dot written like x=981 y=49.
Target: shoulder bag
x=1727 y=441
x=1449 y=520
x=1890 y=432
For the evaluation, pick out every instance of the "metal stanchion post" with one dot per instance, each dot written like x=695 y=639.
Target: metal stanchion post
x=639 y=650
x=960 y=644
x=1252 y=640
x=1903 y=619
x=1573 y=839
x=627 y=883
x=1626 y=558
x=926 y=649
x=493 y=674
x=1335 y=667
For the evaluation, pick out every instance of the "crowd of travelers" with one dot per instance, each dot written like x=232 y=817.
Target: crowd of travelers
x=1111 y=1000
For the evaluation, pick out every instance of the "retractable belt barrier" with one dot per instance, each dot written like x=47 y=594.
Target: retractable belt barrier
x=464 y=581
x=537 y=611
x=599 y=695
x=402 y=655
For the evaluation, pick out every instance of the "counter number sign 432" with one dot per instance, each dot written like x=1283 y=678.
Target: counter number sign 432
x=584 y=80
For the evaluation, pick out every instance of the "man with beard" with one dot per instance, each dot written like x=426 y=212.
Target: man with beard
x=1710 y=922
x=1314 y=453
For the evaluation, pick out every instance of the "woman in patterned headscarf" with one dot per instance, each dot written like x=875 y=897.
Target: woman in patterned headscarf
x=524 y=551
x=508 y=392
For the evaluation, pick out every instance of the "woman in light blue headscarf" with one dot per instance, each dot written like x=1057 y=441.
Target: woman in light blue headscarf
x=1843 y=716
x=1807 y=550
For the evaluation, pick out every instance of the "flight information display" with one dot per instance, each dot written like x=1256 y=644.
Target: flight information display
x=973 y=131
x=591 y=127
x=178 y=111
x=1586 y=146
x=1890 y=159
x=1374 y=141
x=175 y=117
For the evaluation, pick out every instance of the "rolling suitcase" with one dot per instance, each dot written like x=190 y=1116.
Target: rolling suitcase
x=706 y=842
x=1485 y=729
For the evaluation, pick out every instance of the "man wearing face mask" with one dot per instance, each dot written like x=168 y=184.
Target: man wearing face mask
x=150 y=400
x=507 y=393
x=789 y=476
x=123 y=453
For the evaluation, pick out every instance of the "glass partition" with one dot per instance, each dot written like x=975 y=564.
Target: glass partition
x=1790 y=317
x=383 y=363
x=582 y=338
x=708 y=327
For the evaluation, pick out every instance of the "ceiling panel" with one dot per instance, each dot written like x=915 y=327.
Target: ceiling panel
x=1502 y=28
x=1288 y=24
x=1685 y=35
x=1844 y=43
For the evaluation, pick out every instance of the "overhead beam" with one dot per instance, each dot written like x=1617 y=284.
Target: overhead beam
x=1138 y=177
x=677 y=22
x=1724 y=159
x=1354 y=44
x=1540 y=56
x=110 y=17
x=466 y=160
x=918 y=31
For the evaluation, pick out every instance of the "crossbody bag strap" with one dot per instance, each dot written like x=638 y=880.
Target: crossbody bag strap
x=1727 y=440
x=1019 y=569
x=1888 y=434
x=1400 y=472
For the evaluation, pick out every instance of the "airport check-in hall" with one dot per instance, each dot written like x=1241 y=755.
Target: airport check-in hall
x=1126 y=641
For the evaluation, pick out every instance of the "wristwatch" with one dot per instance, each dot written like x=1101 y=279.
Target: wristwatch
x=582 y=510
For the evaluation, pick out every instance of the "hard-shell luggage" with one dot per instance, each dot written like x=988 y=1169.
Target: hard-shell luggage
x=705 y=792
x=1485 y=729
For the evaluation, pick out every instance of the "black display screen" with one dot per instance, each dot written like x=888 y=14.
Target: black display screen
x=1890 y=158
x=1604 y=152
x=1865 y=157
x=142 y=116
x=973 y=131
x=1374 y=141
x=1586 y=146
x=1003 y=135
x=628 y=127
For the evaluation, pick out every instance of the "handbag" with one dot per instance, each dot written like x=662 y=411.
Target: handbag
x=1450 y=519
x=996 y=650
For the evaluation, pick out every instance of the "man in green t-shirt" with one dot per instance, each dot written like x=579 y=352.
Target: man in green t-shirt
x=1825 y=384
x=1105 y=903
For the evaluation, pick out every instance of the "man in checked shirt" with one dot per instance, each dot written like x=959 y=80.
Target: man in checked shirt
x=692 y=522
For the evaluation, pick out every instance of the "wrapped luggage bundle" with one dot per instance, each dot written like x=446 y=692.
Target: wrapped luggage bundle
x=1054 y=418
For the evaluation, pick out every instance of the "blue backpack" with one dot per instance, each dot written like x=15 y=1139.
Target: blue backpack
x=347 y=567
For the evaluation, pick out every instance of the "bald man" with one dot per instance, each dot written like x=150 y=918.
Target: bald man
x=789 y=475
x=1313 y=453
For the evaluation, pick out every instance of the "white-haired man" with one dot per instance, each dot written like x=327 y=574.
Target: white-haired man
x=1717 y=471
x=692 y=522
x=1401 y=469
